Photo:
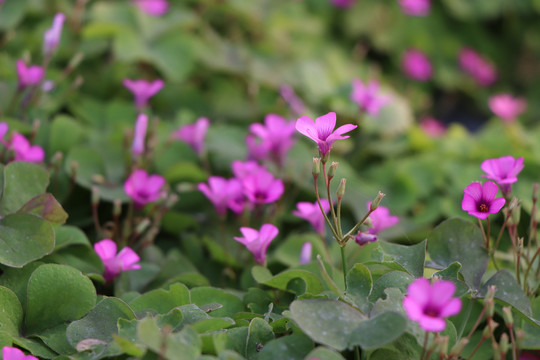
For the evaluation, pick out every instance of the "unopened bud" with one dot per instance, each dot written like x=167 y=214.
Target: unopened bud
x=95 y=195
x=142 y=226
x=520 y=335
x=458 y=347
x=491 y=292
x=503 y=343
x=516 y=215
x=316 y=170
x=57 y=158
x=332 y=170
x=443 y=346
x=519 y=245
x=375 y=203
x=341 y=188
x=536 y=187
x=74 y=169
x=117 y=207
x=513 y=203
x=507 y=316
x=75 y=61
x=490 y=307
x=171 y=200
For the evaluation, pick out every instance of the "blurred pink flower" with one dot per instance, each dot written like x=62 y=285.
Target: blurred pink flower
x=343 y=3
x=415 y=7
x=261 y=187
x=242 y=169
x=481 y=69
x=416 y=65
x=429 y=304
x=51 y=38
x=381 y=219
x=31 y=75
x=144 y=189
x=194 y=134
x=4 y=127
x=288 y=94
x=312 y=213
x=224 y=193
x=152 y=7
x=275 y=139
x=143 y=90
x=507 y=107
x=432 y=127
x=139 y=135
x=322 y=131
x=305 y=253
x=479 y=200
x=363 y=238
x=12 y=353
x=115 y=263
x=24 y=151
x=503 y=171
x=368 y=97
x=258 y=241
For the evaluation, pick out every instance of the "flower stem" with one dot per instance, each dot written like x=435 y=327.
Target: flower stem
x=425 y=346
x=344 y=265
x=336 y=236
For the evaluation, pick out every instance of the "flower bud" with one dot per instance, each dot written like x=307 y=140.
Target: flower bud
x=95 y=195
x=332 y=170
x=507 y=316
x=142 y=226
x=117 y=208
x=57 y=158
x=74 y=169
x=490 y=307
x=316 y=170
x=503 y=343
x=491 y=292
x=443 y=346
x=458 y=347
x=520 y=335
x=536 y=187
x=516 y=215
x=364 y=238
x=375 y=203
x=341 y=189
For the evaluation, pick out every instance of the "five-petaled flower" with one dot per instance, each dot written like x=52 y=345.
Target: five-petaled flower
x=143 y=90
x=507 y=107
x=429 y=304
x=194 y=134
x=322 y=131
x=272 y=140
x=261 y=187
x=24 y=151
x=367 y=96
x=224 y=193
x=115 y=263
x=503 y=171
x=12 y=353
x=143 y=188
x=479 y=200
x=29 y=75
x=258 y=241
x=381 y=219
x=312 y=213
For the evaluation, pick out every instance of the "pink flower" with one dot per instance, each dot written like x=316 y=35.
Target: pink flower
x=275 y=139
x=242 y=169
x=143 y=90
x=322 y=131
x=258 y=241
x=4 y=127
x=507 y=107
x=478 y=67
x=429 y=304
x=51 y=38
x=12 y=353
x=367 y=97
x=363 y=238
x=224 y=193
x=503 y=171
x=305 y=253
x=416 y=65
x=152 y=7
x=294 y=102
x=312 y=213
x=261 y=187
x=381 y=219
x=139 y=135
x=432 y=127
x=415 y=7
x=31 y=75
x=114 y=263
x=144 y=189
x=194 y=134
x=24 y=151
x=343 y=3
x=479 y=200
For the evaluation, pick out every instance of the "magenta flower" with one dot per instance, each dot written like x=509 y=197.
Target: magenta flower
x=507 y=107
x=481 y=69
x=31 y=75
x=416 y=65
x=368 y=97
x=51 y=38
x=322 y=131
x=275 y=139
x=24 y=151
x=343 y=3
x=305 y=253
x=262 y=187
x=258 y=241
x=194 y=134
x=152 y=7
x=415 y=7
x=429 y=304
x=143 y=90
x=503 y=171
x=312 y=213
x=290 y=97
x=432 y=127
x=381 y=219
x=114 y=263
x=139 y=135
x=4 y=127
x=243 y=169
x=363 y=238
x=12 y=353
x=479 y=200
x=224 y=193
x=144 y=189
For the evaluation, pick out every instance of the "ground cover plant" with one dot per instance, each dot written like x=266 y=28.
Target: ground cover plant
x=311 y=179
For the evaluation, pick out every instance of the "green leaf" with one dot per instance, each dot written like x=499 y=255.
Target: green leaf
x=359 y=286
x=207 y=295
x=68 y=235
x=11 y=312
x=16 y=279
x=457 y=240
x=410 y=257
x=65 y=134
x=259 y=333
x=394 y=279
x=24 y=238
x=160 y=300
x=379 y=330
x=323 y=353
x=22 y=182
x=55 y=338
x=282 y=280
x=46 y=207
x=292 y=347
x=44 y=310
x=532 y=332
x=12 y=13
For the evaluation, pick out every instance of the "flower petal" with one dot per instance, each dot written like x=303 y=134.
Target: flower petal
x=451 y=308
x=489 y=190
x=305 y=126
x=106 y=249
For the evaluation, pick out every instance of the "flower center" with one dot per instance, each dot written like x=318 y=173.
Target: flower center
x=483 y=208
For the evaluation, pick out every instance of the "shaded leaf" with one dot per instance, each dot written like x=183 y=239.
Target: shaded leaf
x=46 y=207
